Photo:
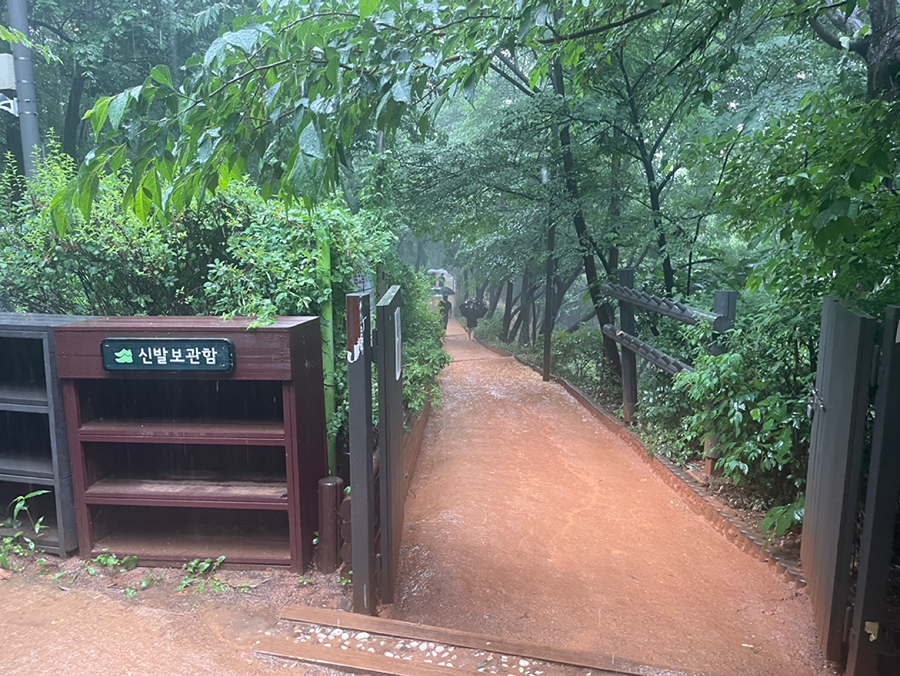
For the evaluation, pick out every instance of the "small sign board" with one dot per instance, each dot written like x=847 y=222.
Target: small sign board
x=167 y=354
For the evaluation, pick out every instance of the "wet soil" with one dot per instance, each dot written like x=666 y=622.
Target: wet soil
x=59 y=619
x=529 y=520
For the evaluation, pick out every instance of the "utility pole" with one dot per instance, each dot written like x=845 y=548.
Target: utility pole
x=27 y=105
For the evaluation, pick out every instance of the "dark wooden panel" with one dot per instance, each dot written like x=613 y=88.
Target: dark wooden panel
x=27 y=394
x=155 y=431
x=362 y=471
x=867 y=635
x=188 y=493
x=28 y=384
x=177 y=548
x=307 y=403
x=261 y=354
x=842 y=383
x=390 y=437
x=26 y=466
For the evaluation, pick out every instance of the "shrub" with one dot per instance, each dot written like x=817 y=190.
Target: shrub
x=236 y=254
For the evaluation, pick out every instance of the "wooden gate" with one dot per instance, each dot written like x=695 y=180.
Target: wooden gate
x=867 y=637
x=390 y=437
x=377 y=503
x=840 y=401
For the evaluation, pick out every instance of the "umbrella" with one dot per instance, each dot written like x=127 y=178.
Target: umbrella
x=442 y=291
x=438 y=271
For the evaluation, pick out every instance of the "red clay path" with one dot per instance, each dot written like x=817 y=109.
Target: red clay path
x=530 y=520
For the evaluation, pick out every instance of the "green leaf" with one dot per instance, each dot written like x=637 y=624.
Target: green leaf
x=117 y=110
x=216 y=49
x=366 y=7
x=98 y=114
x=401 y=92
x=306 y=177
x=309 y=142
x=244 y=39
x=117 y=161
x=162 y=75
x=143 y=203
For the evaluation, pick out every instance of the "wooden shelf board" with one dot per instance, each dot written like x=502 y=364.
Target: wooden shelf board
x=188 y=491
x=26 y=467
x=151 y=431
x=178 y=548
x=18 y=395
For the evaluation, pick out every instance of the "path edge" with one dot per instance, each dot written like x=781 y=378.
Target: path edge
x=694 y=495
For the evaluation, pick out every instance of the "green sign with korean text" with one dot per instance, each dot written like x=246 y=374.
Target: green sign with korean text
x=167 y=354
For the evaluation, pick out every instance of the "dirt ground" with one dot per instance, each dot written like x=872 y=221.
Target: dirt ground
x=52 y=624
x=529 y=520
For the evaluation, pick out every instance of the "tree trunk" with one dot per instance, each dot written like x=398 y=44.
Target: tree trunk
x=524 y=320
x=421 y=258
x=494 y=300
x=479 y=292
x=73 y=115
x=585 y=246
x=507 y=313
x=668 y=272
x=883 y=51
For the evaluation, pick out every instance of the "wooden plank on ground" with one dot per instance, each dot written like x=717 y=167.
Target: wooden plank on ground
x=463 y=639
x=350 y=660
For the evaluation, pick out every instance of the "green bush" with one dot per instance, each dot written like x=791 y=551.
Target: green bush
x=423 y=330
x=236 y=254
x=579 y=358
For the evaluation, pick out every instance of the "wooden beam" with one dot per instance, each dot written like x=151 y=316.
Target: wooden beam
x=465 y=639
x=356 y=661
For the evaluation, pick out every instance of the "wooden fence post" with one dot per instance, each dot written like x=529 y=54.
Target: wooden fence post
x=331 y=489
x=629 y=359
x=724 y=305
x=362 y=480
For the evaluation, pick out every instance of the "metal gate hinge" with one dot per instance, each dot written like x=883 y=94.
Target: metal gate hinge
x=872 y=630
x=814 y=401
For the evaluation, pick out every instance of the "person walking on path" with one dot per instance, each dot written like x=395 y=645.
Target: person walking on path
x=472 y=309
x=445 y=307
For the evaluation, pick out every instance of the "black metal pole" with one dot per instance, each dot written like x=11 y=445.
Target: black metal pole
x=28 y=123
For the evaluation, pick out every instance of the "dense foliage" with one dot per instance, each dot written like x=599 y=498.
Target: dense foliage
x=236 y=254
